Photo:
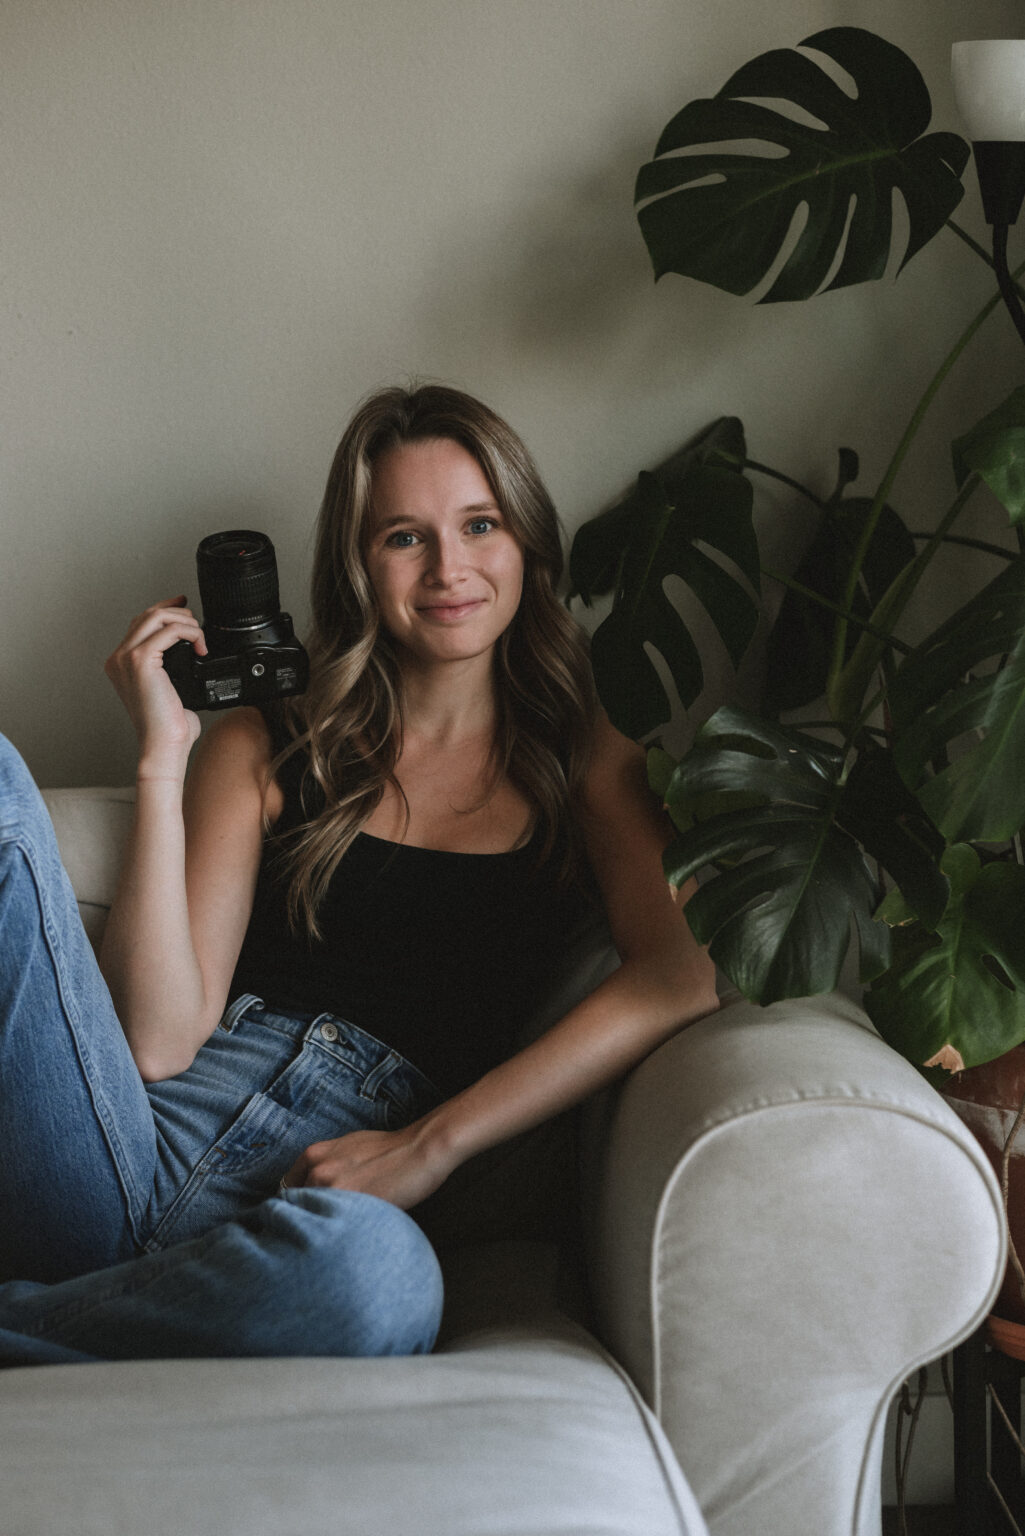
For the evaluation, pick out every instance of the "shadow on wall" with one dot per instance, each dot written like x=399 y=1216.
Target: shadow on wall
x=566 y=278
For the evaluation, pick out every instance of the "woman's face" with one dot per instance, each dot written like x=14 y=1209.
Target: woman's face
x=446 y=570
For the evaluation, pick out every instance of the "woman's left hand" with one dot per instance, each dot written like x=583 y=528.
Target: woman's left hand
x=393 y=1165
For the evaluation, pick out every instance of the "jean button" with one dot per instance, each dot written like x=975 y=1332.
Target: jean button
x=329 y=1031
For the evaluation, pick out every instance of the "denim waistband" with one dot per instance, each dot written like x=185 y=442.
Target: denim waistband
x=373 y=1061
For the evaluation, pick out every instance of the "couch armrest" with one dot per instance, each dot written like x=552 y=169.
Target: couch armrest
x=786 y=1221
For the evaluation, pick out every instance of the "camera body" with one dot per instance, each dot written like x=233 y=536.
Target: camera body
x=253 y=654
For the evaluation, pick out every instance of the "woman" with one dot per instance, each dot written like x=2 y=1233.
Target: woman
x=325 y=941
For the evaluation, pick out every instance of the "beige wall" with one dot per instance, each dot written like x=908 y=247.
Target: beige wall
x=224 y=220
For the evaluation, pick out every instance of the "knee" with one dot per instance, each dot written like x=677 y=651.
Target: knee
x=376 y=1277
x=20 y=800
x=13 y=773
x=10 y=758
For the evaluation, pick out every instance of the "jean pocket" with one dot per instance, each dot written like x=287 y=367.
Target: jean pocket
x=312 y=1100
x=242 y=1168
x=404 y=1093
x=401 y=1109
x=396 y=1116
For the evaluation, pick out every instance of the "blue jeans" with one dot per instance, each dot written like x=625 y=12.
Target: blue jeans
x=145 y=1220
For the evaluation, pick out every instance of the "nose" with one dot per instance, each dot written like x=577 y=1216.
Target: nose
x=446 y=564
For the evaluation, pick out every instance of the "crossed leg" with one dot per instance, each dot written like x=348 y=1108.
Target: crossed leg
x=321 y=1272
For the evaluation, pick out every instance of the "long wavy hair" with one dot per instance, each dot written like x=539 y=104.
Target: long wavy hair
x=350 y=719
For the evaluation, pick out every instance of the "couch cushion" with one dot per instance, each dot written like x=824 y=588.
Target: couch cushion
x=92 y=827
x=514 y=1433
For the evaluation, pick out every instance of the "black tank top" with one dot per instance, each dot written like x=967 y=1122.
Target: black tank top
x=444 y=957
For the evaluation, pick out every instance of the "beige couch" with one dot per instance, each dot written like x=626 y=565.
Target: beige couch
x=782 y=1221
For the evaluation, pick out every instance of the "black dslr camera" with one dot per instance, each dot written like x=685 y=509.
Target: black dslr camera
x=253 y=653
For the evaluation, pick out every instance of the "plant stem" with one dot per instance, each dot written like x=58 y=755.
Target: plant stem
x=970 y=241
x=894 y=467
x=980 y=250
x=795 y=485
x=888 y=612
x=861 y=724
x=941 y=536
x=831 y=725
x=844 y=613
x=987 y=549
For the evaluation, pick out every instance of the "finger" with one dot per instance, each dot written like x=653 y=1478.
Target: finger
x=295 y=1178
x=177 y=604
x=180 y=603
x=166 y=624
x=324 y=1175
x=144 y=653
x=171 y=634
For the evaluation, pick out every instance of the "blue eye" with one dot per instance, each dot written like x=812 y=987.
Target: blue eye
x=404 y=539
x=482 y=525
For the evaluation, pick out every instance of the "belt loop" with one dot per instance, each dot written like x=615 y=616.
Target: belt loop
x=374 y=1079
x=240 y=1006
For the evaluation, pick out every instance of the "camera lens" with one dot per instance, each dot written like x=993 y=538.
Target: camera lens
x=238 y=579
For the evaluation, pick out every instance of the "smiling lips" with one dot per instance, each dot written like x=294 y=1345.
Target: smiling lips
x=449 y=613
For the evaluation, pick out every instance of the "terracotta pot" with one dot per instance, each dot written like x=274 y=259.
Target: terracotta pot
x=1009 y=1338
x=988 y=1099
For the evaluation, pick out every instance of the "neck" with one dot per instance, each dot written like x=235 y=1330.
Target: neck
x=450 y=704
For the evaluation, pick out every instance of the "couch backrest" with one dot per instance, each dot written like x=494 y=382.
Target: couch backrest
x=92 y=827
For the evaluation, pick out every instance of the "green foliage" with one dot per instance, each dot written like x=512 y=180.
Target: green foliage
x=694 y=503
x=963 y=986
x=799 y=647
x=722 y=216
x=937 y=700
x=772 y=809
x=995 y=450
x=804 y=842
x=782 y=904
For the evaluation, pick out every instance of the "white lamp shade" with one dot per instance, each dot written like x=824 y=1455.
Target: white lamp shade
x=989 y=84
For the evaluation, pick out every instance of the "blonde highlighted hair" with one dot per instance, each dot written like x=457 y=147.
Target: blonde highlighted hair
x=350 y=719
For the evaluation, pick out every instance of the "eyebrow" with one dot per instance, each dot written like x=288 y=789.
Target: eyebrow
x=411 y=517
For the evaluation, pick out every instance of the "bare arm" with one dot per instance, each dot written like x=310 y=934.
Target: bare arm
x=186 y=889
x=665 y=981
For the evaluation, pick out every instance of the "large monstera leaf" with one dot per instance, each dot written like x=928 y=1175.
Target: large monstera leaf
x=956 y=997
x=694 y=503
x=789 y=835
x=722 y=216
x=958 y=704
x=800 y=646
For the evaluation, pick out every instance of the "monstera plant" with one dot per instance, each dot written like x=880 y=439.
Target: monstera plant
x=893 y=817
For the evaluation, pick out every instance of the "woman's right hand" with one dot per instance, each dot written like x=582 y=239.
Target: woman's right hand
x=166 y=730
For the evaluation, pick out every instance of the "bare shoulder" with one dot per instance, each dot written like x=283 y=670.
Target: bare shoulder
x=237 y=742
x=233 y=758
x=617 y=778
x=626 y=830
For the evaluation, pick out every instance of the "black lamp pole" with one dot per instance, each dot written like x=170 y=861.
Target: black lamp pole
x=1001 y=171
